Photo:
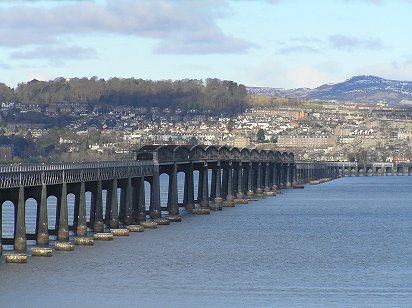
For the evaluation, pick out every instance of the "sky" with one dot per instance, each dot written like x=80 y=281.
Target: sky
x=272 y=43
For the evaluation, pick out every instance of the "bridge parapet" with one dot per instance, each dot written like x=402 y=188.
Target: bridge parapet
x=55 y=173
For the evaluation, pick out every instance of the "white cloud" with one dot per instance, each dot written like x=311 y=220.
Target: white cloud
x=55 y=53
x=349 y=43
x=180 y=27
x=4 y=65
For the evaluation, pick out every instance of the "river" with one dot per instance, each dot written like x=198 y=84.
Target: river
x=342 y=243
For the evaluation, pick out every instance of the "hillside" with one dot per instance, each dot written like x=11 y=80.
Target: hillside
x=356 y=89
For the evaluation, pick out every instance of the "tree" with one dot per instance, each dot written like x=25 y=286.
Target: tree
x=260 y=135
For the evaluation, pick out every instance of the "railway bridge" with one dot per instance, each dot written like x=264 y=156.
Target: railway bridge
x=225 y=176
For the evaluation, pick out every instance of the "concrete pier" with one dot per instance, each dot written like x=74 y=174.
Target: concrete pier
x=84 y=240
x=41 y=251
x=16 y=258
x=135 y=228
x=64 y=246
x=103 y=236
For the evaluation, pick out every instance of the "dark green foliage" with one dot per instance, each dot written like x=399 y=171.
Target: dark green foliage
x=187 y=94
x=22 y=147
x=6 y=93
x=260 y=135
x=38 y=118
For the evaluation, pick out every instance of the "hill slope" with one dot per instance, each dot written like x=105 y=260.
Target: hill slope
x=365 y=89
x=355 y=89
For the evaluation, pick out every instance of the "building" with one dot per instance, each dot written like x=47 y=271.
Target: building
x=291 y=141
x=6 y=153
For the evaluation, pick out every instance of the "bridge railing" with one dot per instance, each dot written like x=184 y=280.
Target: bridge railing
x=55 y=173
x=21 y=167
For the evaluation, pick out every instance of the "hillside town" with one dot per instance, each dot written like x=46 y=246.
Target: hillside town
x=327 y=131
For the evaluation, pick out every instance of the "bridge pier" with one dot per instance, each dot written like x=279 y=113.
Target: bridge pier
x=265 y=170
x=250 y=191
x=204 y=202
x=97 y=205
x=155 y=207
x=80 y=205
x=212 y=195
x=189 y=199
x=128 y=192
x=218 y=188
x=239 y=195
x=288 y=175
x=229 y=194
x=259 y=191
x=20 y=226
x=173 y=200
x=112 y=198
x=42 y=219
x=63 y=225
x=139 y=203
x=274 y=177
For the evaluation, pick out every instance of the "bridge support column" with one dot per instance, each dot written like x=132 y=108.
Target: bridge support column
x=288 y=175
x=128 y=218
x=268 y=184
x=266 y=178
x=123 y=200
x=114 y=205
x=274 y=177
x=173 y=204
x=204 y=203
x=259 y=191
x=212 y=195
x=155 y=207
x=189 y=202
x=81 y=229
x=139 y=204
x=199 y=186
x=218 y=188
x=42 y=222
x=250 y=191
x=282 y=176
x=63 y=231
x=229 y=196
x=239 y=195
x=98 y=225
x=20 y=226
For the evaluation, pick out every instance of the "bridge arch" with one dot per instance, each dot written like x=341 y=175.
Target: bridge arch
x=165 y=153
x=262 y=154
x=285 y=157
x=270 y=155
x=254 y=155
x=197 y=152
x=224 y=152
x=212 y=152
x=278 y=157
x=181 y=153
x=245 y=154
x=235 y=153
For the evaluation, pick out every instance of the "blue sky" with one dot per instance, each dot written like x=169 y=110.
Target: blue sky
x=276 y=43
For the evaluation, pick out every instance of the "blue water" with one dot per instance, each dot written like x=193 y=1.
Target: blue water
x=344 y=243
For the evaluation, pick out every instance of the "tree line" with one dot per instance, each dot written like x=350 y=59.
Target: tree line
x=211 y=94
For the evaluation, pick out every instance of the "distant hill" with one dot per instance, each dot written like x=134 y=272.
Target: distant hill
x=356 y=89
